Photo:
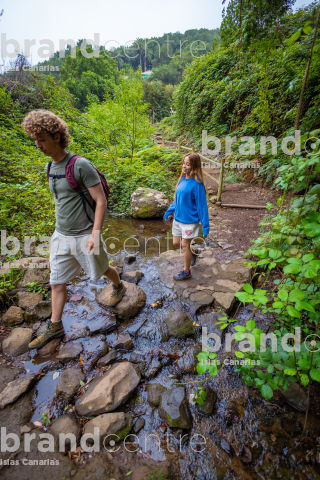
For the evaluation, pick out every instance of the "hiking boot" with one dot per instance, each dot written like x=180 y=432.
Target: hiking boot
x=117 y=294
x=52 y=330
x=195 y=256
x=183 y=275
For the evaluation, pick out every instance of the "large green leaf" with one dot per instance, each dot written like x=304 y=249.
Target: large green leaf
x=293 y=312
x=295 y=295
x=283 y=294
x=292 y=268
x=304 y=306
x=315 y=374
x=247 y=288
x=266 y=392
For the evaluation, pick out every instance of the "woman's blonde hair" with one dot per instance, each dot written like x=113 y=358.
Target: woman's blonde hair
x=196 y=169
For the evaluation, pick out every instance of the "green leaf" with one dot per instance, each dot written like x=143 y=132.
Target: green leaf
x=283 y=294
x=213 y=370
x=266 y=392
x=240 y=328
x=201 y=369
x=213 y=355
x=270 y=369
x=315 y=374
x=239 y=354
x=259 y=382
x=250 y=325
x=293 y=312
x=129 y=473
x=244 y=297
x=82 y=383
x=261 y=375
x=247 y=288
x=308 y=257
x=295 y=295
x=292 y=268
x=304 y=306
x=304 y=379
x=290 y=371
x=278 y=305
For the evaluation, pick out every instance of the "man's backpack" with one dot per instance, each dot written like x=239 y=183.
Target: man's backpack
x=69 y=176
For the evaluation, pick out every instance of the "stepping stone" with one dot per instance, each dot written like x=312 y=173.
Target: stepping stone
x=179 y=324
x=130 y=259
x=28 y=299
x=69 y=383
x=174 y=409
x=50 y=348
x=16 y=388
x=154 y=393
x=152 y=368
x=69 y=351
x=188 y=362
x=107 y=393
x=225 y=300
x=227 y=286
x=137 y=357
x=132 y=277
x=101 y=348
x=139 y=424
x=66 y=425
x=13 y=316
x=117 y=425
x=107 y=359
x=209 y=321
x=39 y=312
x=131 y=304
x=155 y=333
x=102 y=324
x=122 y=341
x=295 y=396
x=207 y=407
x=17 y=342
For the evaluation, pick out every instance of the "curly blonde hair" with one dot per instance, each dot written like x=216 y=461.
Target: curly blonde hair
x=40 y=121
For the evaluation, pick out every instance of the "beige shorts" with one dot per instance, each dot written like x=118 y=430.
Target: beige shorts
x=68 y=255
x=185 y=230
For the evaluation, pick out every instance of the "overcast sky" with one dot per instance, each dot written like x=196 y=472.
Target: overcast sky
x=121 y=21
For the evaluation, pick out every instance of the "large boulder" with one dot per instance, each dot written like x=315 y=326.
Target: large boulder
x=28 y=299
x=179 y=324
x=13 y=316
x=174 y=408
x=17 y=342
x=116 y=424
x=108 y=392
x=37 y=313
x=36 y=269
x=131 y=304
x=69 y=383
x=148 y=203
x=16 y=388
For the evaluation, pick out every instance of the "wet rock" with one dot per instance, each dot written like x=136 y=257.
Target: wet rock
x=25 y=429
x=110 y=391
x=17 y=342
x=179 y=324
x=224 y=300
x=39 y=312
x=138 y=425
x=101 y=349
x=137 y=357
x=107 y=359
x=99 y=473
x=134 y=329
x=166 y=360
x=16 y=388
x=66 y=424
x=143 y=367
x=130 y=259
x=148 y=203
x=119 y=269
x=102 y=324
x=226 y=447
x=152 y=368
x=69 y=351
x=117 y=424
x=174 y=409
x=227 y=286
x=36 y=326
x=131 y=304
x=76 y=298
x=295 y=396
x=28 y=299
x=155 y=333
x=202 y=298
x=207 y=407
x=209 y=320
x=36 y=269
x=292 y=427
x=132 y=277
x=122 y=341
x=154 y=393
x=52 y=366
x=50 y=348
x=245 y=455
x=74 y=335
x=69 y=383
x=188 y=362
x=13 y=316
x=266 y=420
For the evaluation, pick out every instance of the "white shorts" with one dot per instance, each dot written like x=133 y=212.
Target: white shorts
x=185 y=230
x=69 y=254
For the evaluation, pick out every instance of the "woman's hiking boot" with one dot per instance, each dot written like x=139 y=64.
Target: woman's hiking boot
x=52 y=330
x=183 y=275
x=117 y=294
x=194 y=256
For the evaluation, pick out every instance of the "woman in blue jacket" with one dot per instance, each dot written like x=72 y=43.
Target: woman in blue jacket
x=189 y=208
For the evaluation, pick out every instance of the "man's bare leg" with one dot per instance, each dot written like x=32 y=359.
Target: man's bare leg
x=113 y=275
x=58 y=298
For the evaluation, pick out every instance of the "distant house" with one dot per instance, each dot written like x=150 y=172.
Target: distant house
x=146 y=74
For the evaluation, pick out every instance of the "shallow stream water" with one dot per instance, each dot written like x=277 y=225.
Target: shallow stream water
x=242 y=427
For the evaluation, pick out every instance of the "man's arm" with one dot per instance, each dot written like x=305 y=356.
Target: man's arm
x=98 y=196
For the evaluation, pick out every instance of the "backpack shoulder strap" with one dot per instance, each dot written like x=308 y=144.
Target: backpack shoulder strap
x=70 y=172
x=48 y=169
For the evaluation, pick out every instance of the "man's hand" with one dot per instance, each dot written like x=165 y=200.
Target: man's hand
x=91 y=243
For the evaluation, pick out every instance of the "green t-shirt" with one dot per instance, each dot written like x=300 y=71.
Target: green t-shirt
x=71 y=218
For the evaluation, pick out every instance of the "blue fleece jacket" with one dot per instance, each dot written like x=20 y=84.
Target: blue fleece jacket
x=190 y=205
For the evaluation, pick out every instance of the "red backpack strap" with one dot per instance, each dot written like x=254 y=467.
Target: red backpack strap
x=70 y=173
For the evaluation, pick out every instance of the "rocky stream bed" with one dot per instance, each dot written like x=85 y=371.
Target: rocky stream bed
x=123 y=371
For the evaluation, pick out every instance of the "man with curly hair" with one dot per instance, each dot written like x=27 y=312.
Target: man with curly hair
x=76 y=243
